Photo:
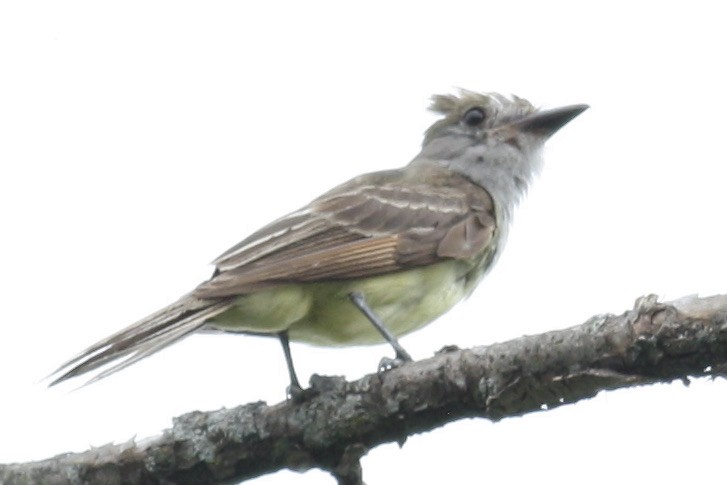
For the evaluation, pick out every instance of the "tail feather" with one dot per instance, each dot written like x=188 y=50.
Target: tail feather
x=142 y=338
x=136 y=331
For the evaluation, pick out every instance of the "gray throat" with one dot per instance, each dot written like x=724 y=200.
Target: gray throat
x=506 y=178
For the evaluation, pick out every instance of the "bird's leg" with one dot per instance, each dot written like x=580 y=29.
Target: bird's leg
x=295 y=391
x=402 y=355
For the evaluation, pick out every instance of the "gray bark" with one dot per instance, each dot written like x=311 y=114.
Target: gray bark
x=340 y=421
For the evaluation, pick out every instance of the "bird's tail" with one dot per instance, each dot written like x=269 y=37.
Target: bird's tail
x=143 y=338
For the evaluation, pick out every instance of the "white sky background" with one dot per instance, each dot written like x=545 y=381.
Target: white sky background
x=139 y=140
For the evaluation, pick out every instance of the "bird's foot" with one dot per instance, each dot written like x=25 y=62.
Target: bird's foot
x=298 y=395
x=387 y=363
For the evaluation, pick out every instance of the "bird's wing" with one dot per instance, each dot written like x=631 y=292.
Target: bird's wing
x=374 y=224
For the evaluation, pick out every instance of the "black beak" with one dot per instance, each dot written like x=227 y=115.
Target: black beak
x=546 y=123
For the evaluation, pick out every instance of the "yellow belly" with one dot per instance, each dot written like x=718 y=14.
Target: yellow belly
x=322 y=314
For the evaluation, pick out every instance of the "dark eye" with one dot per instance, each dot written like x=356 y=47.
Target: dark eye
x=474 y=117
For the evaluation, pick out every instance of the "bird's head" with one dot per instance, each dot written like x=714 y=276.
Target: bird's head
x=492 y=139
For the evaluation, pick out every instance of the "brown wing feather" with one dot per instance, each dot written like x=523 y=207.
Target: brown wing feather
x=374 y=224
x=364 y=257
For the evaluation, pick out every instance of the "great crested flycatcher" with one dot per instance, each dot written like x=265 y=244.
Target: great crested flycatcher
x=375 y=258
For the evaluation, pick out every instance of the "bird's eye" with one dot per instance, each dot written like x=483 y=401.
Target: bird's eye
x=474 y=117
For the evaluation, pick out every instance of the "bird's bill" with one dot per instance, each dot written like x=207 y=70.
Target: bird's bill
x=546 y=123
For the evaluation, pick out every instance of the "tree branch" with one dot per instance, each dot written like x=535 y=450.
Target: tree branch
x=654 y=342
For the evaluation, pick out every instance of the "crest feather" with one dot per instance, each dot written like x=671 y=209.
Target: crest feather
x=500 y=109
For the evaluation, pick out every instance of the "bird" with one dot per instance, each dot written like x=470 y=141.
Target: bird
x=371 y=260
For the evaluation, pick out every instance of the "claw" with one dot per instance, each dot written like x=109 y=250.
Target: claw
x=387 y=363
x=299 y=395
